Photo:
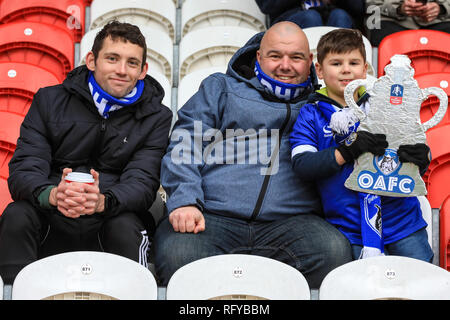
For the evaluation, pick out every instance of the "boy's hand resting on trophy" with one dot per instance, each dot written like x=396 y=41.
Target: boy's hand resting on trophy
x=418 y=153
x=361 y=142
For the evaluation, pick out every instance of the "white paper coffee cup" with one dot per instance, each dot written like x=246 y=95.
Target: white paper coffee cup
x=79 y=177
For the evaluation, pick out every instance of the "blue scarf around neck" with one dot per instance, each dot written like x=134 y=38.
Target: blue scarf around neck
x=281 y=90
x=106 y=103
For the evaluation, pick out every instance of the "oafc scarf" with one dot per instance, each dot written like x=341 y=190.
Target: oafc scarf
x=106 y=103
x=343 y=123
x=284 y=91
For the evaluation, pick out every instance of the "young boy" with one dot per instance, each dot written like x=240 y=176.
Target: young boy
x=321 y=151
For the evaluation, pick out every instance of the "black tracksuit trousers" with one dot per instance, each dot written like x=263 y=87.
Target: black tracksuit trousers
x=28 y=233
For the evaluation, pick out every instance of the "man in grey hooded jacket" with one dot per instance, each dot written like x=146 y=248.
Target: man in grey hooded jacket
x=227 y=171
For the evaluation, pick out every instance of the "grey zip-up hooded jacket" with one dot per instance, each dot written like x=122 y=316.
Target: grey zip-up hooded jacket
x=223 y=156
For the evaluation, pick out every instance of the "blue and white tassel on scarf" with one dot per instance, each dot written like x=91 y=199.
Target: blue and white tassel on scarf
x=106 y=103
x=371 y=226
x=312 y=3
x=343 y=122
x=285 y=91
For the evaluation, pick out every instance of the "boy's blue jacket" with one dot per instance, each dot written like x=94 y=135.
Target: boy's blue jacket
x=237 y=187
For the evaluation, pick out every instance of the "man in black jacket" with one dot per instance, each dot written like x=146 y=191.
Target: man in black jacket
x=106 y=119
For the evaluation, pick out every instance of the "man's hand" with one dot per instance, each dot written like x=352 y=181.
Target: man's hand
x=412 y=8
x=67 y=197
x=430 y=11
x=94 y=200
x=75 y=199
x=187 y=219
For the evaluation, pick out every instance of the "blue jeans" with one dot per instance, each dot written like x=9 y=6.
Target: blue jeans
x=413 y=246
x=311 y=18
x=306 y=242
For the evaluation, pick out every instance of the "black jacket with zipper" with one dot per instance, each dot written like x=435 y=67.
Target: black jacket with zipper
x=63 y=128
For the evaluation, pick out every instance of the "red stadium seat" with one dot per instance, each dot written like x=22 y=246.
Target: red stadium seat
x=9 y=132
x=40 y=44
x=438 y=173
x=444 y=232
x=10 y=129
x=5 y=197
x=68 y=15
x=6 y=153
x=431 y=105
x=429 y=50
x=19 y=82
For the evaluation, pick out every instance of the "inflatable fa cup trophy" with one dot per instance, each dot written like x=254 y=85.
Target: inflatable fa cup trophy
x=395 y=101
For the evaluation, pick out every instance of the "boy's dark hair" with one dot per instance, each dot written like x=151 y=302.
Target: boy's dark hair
x=340 y=41
x=120 y=31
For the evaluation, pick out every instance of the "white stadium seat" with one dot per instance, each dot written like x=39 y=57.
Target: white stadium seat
x=164 y=82
x=237 y=276
x=191 y=82
x=314 y=33
x=197 y=14
x=427 y=216
x=159 y=50
x=158 y=15
x=386 y=277
x=200 y=50
x=84 y=275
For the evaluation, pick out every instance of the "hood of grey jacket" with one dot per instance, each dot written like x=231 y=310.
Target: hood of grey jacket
x=242 y=167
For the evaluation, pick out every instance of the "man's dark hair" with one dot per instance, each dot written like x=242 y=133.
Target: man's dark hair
x=120 y=31
x=340 y=41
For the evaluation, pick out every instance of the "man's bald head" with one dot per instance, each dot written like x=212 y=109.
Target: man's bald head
x=284 y=53
x=284 y=30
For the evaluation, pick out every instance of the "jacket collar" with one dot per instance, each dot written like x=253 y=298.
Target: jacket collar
x=322 y=95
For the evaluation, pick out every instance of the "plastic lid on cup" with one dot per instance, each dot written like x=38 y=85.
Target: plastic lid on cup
x=79 y=177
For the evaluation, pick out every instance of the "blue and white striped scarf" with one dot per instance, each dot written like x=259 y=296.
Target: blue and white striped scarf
x=312 y=3
x=106 y=103
x=285 y=91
